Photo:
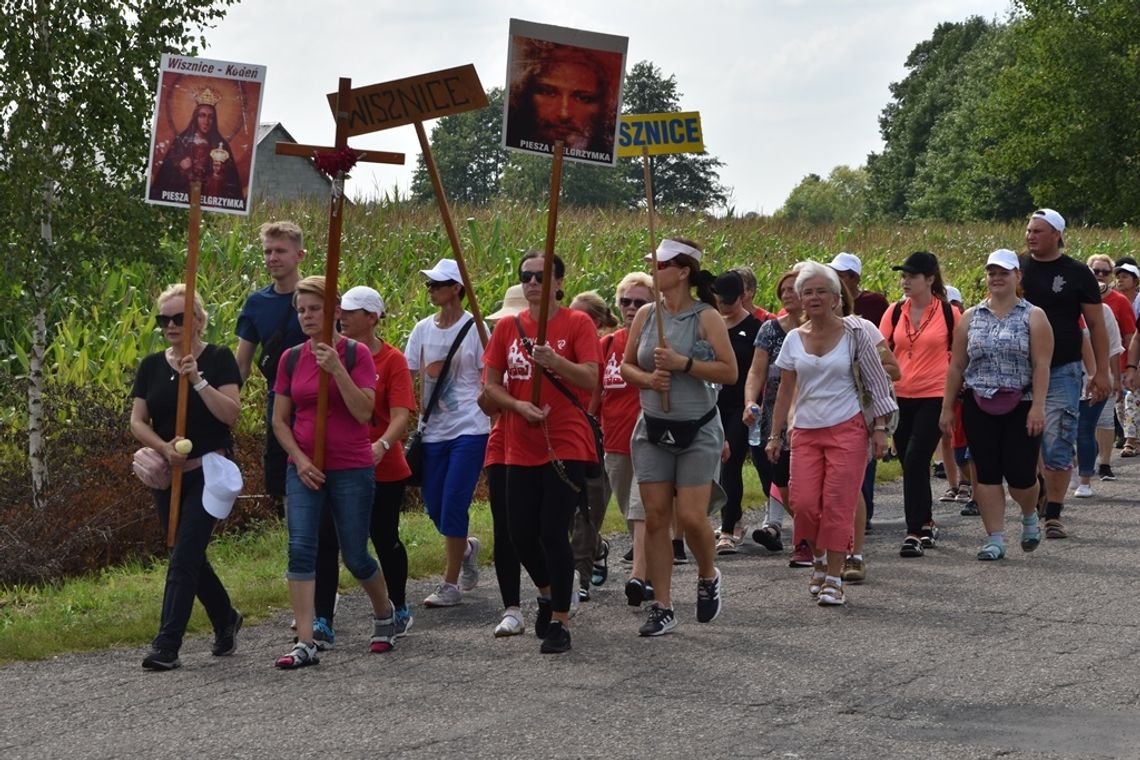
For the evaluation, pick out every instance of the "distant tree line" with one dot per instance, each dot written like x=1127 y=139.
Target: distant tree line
x=995 y=119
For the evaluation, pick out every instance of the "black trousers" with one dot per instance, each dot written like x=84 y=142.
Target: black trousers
x=732 y=471
x=916 y=439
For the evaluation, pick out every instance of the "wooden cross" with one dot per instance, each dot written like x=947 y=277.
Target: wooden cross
x=336 y=219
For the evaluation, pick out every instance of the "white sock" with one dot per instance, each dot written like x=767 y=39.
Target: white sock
x=837 y=582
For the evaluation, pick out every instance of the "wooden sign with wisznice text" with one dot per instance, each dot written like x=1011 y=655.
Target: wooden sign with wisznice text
x=661 y=133
x=418 y=98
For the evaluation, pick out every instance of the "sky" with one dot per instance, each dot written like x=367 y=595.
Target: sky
x=785 y=88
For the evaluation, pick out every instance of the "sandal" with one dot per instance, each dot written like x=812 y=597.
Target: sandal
x=818 y=577
x=300 y=656
x=1054 y=529
x=1030 y=534
x=911 y=547
x=726 y=544
x=991 y=551
x=768 y=536
x=1128 y=451
x=950 y=495
x=928 y=535
x=601 y=569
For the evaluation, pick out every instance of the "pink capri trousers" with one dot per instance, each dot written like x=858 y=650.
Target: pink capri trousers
x=826 y=475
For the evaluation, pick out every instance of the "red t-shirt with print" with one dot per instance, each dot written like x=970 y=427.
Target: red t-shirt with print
x=393 y=389
x=621 y=402
x=573 y=336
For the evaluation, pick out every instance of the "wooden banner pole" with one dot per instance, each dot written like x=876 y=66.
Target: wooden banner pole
x=548 y=261
x=452 y=235
x=188 y=319
x=653 y=270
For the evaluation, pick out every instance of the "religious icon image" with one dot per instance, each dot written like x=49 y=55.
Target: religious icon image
x=205 y=130
x=563 y=84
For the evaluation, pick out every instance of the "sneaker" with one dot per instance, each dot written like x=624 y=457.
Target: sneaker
x=445 y=595
x=854 y=570
x=635 y=592
x=404 y=620
x=601 y=569
x=627 y=558
x=801 y=557
x=161 y=659
x=469 y=570
x=831 y=596
x=511 y=624
x=383 y=633
x=1083 y=491
x=225 y=640
x=965 y=493
x=928 y=535
x=543 y=617
x=950 y=495
x=1105 y=472
x=768 y=536
x=300 y=656
x=660 y=622
x=323 y=634
x=726 y=545
x=556 y=640
x=939 y=470
x=708 y=598
x=679 y=556
x=970 y=509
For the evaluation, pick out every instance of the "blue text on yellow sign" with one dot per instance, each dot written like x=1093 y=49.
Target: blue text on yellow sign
x=660 y=133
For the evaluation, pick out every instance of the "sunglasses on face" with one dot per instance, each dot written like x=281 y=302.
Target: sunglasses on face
x=432 y=284
x=1102 y=272
x=627 y=302
x=666 y=264
x=164 y=320
x=525 y=277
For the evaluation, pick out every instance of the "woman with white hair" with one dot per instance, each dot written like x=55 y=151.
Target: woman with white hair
x=829 y=433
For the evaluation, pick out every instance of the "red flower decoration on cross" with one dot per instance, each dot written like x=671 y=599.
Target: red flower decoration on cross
x=333 y=162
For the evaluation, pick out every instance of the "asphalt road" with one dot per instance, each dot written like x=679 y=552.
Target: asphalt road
x=943 y=656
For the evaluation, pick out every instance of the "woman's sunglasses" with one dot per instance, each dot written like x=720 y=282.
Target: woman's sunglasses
x=164 y=320
x=627 y=302
x=666 y=264
x=525 y=277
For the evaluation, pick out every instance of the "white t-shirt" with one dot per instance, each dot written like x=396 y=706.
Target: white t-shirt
x=826 y=385
x=456 y=412
x=1115 y=343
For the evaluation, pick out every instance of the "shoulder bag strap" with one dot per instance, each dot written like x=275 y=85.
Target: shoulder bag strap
x=547 y=373
x=443 y=372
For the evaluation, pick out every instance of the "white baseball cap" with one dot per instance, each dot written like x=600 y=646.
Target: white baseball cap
x=953 y=294
x=847 y=262
x=223 y=484
x=1056 y=221
x=1130 y=268
x=363 y=297
x=446 y=270
x=1004 y=258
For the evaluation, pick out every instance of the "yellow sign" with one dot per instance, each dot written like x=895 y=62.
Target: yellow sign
x=661 y=133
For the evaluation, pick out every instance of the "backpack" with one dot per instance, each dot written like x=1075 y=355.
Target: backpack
x=947 y=314
x=295 y=354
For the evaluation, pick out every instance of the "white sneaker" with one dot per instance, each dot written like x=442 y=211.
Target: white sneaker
x=511 y=624
x=445 y=595
x=469 y=570
x=1083 y=491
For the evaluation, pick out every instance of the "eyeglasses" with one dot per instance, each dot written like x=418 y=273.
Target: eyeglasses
x=627 y=302
x=432 y=284
x=1102 y=272
x=525 y=277
x=164 y=320
x=666 y=264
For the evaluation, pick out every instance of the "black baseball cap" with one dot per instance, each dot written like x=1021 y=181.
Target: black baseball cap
x=729 y=286
x=919 y=262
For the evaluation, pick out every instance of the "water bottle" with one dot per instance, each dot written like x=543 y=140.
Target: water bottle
x=755 y=435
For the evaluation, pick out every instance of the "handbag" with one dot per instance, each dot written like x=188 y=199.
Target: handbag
x=866 y=401
x=594 y=470
x=1004 y=401
x=679 y=434
x=414 y=446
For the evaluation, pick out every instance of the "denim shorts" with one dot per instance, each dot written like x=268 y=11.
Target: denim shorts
x=348 y=494
x=1061 y=416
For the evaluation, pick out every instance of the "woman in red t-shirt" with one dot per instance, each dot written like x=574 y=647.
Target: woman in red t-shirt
x=620 y=406
x=549 y=445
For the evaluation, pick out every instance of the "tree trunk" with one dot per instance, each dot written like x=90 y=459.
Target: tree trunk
x=36 y=453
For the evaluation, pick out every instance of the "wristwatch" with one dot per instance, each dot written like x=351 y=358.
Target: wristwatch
x=387 y=446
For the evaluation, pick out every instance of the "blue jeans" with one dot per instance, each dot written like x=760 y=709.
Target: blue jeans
x=1061 y=416
x=349 y=497
x=1086 y=436
x=451 y=472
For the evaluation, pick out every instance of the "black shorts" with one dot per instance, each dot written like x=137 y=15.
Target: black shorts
x=1000 y=446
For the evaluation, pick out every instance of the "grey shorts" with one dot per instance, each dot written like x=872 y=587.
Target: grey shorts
x=619 y=468
x=693 y=466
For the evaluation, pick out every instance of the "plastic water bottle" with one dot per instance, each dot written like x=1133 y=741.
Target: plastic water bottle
x=755 y=435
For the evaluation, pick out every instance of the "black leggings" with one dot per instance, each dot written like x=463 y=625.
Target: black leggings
x=915 y=440
x=731 y=471
x=507 y=566
x=540 y=507
x=1000 y=445
x=385 y=533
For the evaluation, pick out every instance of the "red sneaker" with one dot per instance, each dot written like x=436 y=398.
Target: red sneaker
x=801 y=557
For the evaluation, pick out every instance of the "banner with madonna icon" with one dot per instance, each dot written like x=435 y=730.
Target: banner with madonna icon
x=205 y=129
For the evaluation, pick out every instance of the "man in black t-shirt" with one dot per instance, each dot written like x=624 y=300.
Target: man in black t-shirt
x=1066 y=290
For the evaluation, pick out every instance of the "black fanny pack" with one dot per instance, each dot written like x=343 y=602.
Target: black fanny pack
x=676 y=433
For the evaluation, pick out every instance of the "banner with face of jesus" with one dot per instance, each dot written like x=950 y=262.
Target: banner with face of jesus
x=563 y=84
x=205 y=129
